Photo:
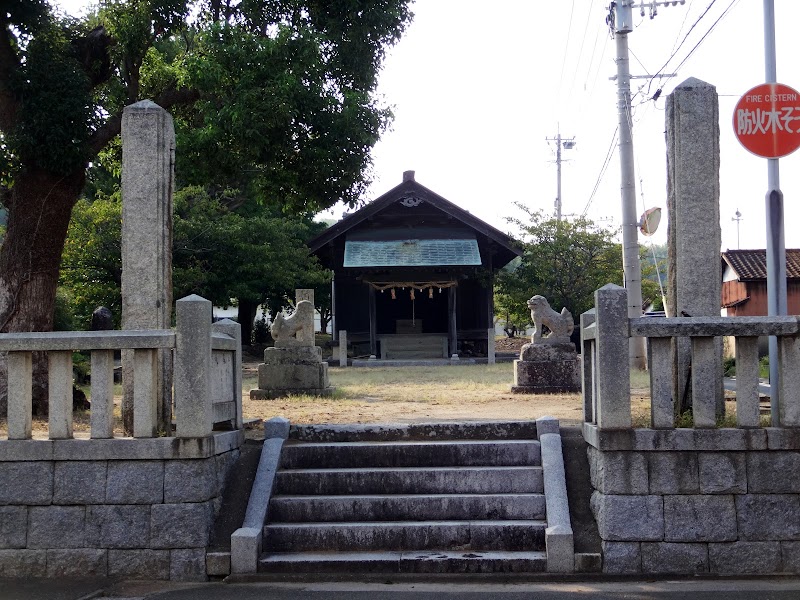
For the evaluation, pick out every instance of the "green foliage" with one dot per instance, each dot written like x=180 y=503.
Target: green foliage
x=223 y=255
x=273 y=101
x=91 y=266
x=729 y=366
x=261 y=331
x=52 y=126
x=219 y=254
x=564 y=261
x=763 y=367
x=64 y=318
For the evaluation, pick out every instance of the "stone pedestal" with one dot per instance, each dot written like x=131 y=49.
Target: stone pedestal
x=288 y=371
x=547 y=369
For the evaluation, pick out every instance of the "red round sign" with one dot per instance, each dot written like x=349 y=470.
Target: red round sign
x=767 y=120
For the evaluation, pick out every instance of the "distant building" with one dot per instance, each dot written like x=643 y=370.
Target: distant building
x=744 y=282
x=413 y=275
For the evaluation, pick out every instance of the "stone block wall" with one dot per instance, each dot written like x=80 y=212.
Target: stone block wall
x=120 y=507
x=697 y=501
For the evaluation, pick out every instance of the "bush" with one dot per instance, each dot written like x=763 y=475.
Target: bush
x=729 y=366
x=261 y=331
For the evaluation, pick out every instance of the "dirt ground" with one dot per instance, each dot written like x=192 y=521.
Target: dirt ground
x=417 y=394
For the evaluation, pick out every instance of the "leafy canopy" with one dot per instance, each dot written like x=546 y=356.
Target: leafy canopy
x=220 y=254
x=564 y=261
x=273 y=98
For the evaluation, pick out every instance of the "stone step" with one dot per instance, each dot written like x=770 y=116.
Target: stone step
x=404 y=562
x=411 y=454
x=409 y=480
x=467 y=430
x=406 y=535
x=297 y=509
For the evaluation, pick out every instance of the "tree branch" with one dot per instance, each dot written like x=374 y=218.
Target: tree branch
x=9 y=62
x=113 y=125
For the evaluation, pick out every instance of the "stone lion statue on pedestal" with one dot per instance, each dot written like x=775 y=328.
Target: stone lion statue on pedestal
x=296 y=329
x=560 y=324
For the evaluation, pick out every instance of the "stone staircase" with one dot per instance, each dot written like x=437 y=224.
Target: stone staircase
x=399 y=506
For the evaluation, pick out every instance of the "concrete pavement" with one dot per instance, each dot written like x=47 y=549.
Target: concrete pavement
x=777 y=588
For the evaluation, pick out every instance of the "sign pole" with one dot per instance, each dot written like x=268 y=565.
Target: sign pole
x=776 y=247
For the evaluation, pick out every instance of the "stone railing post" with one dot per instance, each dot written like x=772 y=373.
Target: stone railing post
x=234 y=330
x=588 y=352
x=612 y=376
x=193 y=416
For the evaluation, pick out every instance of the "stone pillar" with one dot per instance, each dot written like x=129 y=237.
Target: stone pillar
x=193 y=416
x=373 y=323
x=148 y=158
x=343 y=348
x=612 y=378
x=490 y=348
x=306 y=294
x=452 y=322
x=694 y=238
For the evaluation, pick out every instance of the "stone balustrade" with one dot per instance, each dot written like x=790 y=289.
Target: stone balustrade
x=605 y=334
x=207 y=375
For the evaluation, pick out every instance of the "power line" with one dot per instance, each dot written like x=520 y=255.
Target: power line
x=566 y=47
x=675 y=51
x=602 y=172
x=580 y=52
x=710 y=29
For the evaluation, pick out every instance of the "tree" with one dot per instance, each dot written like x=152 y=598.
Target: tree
x=564 y=261
x=91 y=266
x=220 y=254
x=244 y=256
x=272 y=97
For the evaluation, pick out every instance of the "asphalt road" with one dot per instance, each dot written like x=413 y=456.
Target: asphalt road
x=638 y=591
x=776 y=588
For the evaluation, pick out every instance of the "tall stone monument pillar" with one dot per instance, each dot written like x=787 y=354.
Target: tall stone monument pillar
x=148 y=160
x=694 y=236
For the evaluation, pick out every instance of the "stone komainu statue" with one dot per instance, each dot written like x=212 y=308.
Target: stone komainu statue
x=560 y=324
x=296 y=329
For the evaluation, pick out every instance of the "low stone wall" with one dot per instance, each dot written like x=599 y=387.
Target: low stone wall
x=689 y=501
x=116 y=507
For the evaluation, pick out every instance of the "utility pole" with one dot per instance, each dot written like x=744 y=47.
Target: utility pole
x=737 y=218
x=620 y=20
x=568 y=145
x=776 y=244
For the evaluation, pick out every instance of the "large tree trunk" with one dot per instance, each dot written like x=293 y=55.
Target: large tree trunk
x=39 y=209
x=247 y=314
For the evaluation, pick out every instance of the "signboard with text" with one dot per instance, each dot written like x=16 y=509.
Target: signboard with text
x=766 y=120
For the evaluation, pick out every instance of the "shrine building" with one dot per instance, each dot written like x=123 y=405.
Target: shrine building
x=413 y=275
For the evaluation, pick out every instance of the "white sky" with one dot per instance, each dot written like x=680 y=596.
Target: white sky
x=477 y=86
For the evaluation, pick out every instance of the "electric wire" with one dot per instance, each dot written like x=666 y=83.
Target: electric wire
x=683 y=41
x=580 y=51
x=566 y=47
x=707 y=33
x=602 y=172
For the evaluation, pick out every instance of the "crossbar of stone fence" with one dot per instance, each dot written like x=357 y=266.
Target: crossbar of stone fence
x=193 y=414
x=234 y=332
x=612 y=374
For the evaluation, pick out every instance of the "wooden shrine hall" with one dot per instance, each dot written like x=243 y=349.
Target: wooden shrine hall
x=413 y=275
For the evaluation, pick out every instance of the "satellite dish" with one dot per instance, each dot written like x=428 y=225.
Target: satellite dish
x=648 y=222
